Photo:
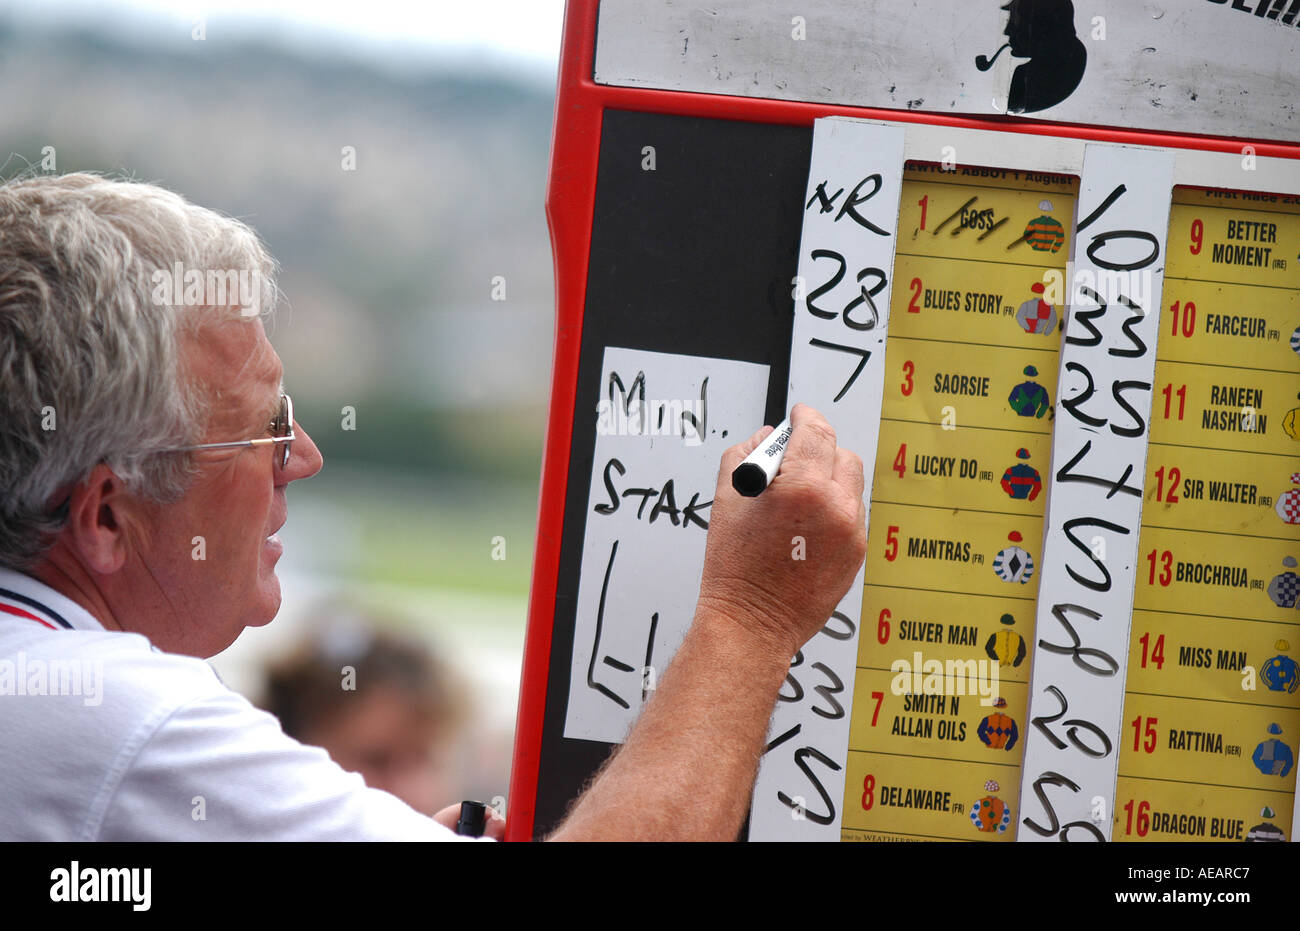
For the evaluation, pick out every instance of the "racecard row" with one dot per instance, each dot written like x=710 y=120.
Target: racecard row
x=1077 y=396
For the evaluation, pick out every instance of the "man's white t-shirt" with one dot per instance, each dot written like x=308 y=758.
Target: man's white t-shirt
x=105 y=738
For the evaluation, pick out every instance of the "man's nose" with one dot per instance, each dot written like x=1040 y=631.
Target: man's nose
x=305 y=460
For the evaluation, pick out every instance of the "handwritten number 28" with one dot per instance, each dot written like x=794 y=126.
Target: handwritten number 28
x=866 y=295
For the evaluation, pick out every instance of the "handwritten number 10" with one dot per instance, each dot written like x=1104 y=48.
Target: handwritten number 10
x=1101 y=239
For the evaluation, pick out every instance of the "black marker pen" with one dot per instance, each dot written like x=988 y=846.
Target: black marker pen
x=473 y=819
x=760 y=466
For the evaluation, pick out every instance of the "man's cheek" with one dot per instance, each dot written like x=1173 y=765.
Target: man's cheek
x=221 y=553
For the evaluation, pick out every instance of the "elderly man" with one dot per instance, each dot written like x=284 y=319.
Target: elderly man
x=146 y=446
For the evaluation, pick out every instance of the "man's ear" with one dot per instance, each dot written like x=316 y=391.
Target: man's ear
x=100 y=514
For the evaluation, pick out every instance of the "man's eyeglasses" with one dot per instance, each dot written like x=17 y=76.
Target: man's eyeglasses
x=281 y=426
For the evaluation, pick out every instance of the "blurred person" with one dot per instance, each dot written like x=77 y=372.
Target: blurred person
x=381 y=704
x=146 y=448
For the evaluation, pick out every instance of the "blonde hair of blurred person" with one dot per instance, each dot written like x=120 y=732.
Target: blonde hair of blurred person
x=381 y=704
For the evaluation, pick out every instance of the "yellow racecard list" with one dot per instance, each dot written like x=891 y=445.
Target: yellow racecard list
x=1212 y=705
x=957 y=505
x=1211 y=709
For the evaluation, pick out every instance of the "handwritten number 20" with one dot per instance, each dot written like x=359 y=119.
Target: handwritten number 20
x=1072 y=729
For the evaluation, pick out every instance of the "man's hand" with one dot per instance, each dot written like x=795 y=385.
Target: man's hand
x=778 y=564
x=688 y=765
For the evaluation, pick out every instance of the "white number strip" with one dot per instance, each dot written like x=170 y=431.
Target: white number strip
x=1094 y=513
x=837 y=360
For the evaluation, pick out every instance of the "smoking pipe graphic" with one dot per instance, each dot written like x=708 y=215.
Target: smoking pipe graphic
x=984 y=63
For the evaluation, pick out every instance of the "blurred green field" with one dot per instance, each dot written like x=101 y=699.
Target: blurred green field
x=412 y=530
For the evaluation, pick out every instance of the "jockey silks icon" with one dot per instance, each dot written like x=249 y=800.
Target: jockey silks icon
x=998 y=730
x=1029 y=398
x=1288 y=503
x=1036 y=315
x=1021 y=480
x=1006 y=646
x=1013 y=563
x=990 y=814
x=1284 y=590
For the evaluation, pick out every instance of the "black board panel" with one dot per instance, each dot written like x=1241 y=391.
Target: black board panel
x=695 y=257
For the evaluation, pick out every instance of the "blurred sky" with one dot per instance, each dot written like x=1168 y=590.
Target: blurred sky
x=512 y=35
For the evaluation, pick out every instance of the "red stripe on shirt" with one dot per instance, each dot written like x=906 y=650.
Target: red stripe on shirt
x=10 y=609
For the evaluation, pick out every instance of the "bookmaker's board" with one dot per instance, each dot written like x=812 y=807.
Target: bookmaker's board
x=1069 y=357
x=1079 y=601
x=1210 y=713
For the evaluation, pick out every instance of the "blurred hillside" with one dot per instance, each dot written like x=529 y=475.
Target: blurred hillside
x=388 y=269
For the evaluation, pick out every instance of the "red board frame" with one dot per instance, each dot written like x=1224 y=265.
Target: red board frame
x=570 y=203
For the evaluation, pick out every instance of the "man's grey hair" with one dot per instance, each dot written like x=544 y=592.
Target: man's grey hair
x=90 y=359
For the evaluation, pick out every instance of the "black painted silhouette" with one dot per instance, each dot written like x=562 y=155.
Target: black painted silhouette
x=1043 y=32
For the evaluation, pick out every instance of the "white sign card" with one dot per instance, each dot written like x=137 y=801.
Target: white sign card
x=662 y=424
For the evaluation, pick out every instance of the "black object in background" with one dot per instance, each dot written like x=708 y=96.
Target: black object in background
x=473 y=819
